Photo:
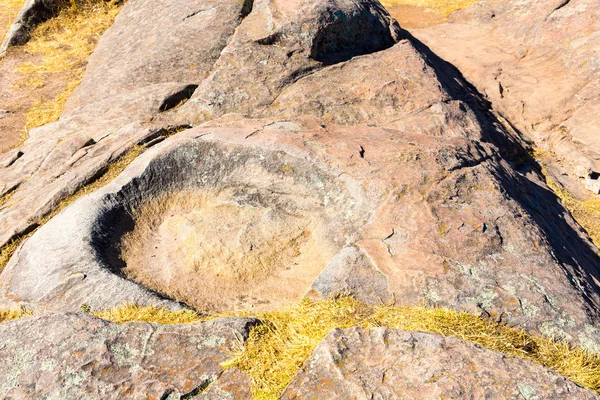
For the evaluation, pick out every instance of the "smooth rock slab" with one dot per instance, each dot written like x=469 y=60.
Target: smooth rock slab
x=392 y=364
x=74 y=356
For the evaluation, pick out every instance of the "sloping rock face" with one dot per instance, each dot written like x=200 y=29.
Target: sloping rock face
x=332 y=153
x=439 y=215
x=72 y=356
x=388 y=364
x=538 y=62
x=418 y=218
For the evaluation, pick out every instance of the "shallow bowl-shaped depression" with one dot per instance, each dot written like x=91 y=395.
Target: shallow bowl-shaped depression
x=224 y=227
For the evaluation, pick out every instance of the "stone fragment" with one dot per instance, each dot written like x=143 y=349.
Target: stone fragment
x=391 y=364
x=69 y=355
x=351 y=272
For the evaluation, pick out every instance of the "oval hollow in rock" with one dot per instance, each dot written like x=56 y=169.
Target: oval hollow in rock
x=226 y=229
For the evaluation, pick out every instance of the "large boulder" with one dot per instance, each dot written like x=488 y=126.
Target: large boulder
x=68 y=356
x=376 y=212
x=390 y=364
x=282 y=41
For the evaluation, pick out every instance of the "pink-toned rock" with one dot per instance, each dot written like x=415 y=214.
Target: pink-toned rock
x=391 y=364
x=164 y=50
x=538 y=62
x=440 y=220
x=68 y=355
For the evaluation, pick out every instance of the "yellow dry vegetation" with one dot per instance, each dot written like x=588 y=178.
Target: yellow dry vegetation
x=132 y=312
x=64 y=44
x=585 y=212
x=113 y=170
x=442 y=7
x=8 y=12
x=277 y=348
x=8 y=315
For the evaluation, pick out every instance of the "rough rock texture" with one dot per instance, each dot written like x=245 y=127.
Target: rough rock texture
x=351 y=271
x=333 y=153
x=538 y=62
x=73 y=259
x=390 y=364
x=34 y=12
x=436 y=219
x=73 y=356
x=452 y=215
x=282 y=41
x=113 y=110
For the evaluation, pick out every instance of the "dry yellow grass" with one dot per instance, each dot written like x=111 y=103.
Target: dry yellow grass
x=8 y=315
x=64 y=44
x=113 y=170
x=131 y=312
x=278 y=347
x=585 y=212
x=8 y=12
x=442 y=7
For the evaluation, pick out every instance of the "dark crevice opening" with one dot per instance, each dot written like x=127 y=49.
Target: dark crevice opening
x=178 y=99
x=247 y=8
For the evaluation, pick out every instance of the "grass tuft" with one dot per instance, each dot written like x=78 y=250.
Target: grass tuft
x=441 y=7
x=279 y=346
x=8 y=315
x=131 y=312
x=8 y=12
x=585 y=212
x=64 y=43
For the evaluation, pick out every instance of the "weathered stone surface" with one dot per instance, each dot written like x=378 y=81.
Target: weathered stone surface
x=163 y=51
x=390 y=364
x=32 y=13
x=442 y=220
x=538 y=62
x=351 y=272
x=282 y=41
x=73 y=259
x=156 y=43
x=72 y=356
x=440 y=214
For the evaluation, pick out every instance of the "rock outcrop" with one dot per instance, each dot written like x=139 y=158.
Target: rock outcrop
x=446 y=220
x=112 y=111
x=69 y=356
x=436 y=219
x=390 y=364
x=324 y=151
x=538 y=62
